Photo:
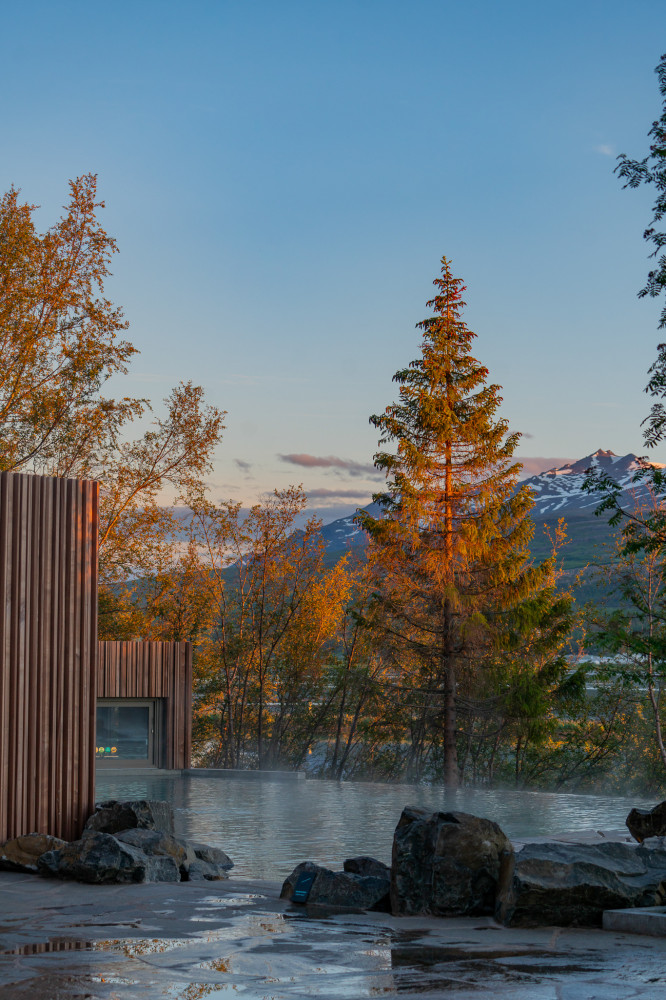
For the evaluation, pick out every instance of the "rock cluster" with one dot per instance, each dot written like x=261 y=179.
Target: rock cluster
x=452 y=864
x=122 y=842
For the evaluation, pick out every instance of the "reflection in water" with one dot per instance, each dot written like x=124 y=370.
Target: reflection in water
x=42 y=947
x=268 y=827
x=138 y=947
x=425 y=966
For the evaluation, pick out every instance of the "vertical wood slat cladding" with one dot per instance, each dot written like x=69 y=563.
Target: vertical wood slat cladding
x=48 y=653
x=137 y=669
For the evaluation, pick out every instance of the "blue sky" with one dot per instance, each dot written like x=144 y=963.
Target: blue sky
x=283 y=177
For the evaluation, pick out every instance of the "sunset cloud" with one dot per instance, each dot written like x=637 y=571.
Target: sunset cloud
x=331 y=462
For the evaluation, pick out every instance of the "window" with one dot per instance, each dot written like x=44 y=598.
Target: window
x=126 y=732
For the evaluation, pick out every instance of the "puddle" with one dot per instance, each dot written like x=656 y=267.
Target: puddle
x=424 y=956
x=244 y=925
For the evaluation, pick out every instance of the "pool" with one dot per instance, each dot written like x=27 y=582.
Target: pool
x=267 y=827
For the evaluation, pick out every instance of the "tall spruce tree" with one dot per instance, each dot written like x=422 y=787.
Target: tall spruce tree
x=451 y=545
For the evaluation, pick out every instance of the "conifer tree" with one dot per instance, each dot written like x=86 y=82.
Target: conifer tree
x=450 y=546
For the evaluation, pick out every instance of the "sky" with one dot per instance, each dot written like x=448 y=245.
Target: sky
x=283 y=177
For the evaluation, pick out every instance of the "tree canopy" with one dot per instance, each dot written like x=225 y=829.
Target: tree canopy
x=451 y=548
x=58 y=334
x=60 y=339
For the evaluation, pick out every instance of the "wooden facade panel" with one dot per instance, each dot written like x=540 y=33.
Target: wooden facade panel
x=48 y=653
x=137 y=669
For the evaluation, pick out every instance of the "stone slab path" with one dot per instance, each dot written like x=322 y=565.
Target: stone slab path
x=236 y=939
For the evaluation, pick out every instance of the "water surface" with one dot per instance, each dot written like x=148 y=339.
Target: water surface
x=267 y=827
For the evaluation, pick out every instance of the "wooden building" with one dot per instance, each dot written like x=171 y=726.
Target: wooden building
x=144 y=704
x=48 y=653
x=50 y=678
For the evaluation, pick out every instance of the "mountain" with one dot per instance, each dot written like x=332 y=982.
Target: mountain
x=558 y=493
x=346 y=534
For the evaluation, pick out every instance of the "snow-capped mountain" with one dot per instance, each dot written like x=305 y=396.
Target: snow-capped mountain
x=557 y=493
x=560 y=492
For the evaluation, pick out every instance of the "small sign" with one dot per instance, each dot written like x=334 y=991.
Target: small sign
x=303 y=886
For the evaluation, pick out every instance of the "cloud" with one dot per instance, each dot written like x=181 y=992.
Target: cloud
x=324 y=494
x=332 y=462
x=605 y=149
x=243 y=466
x=526 y=434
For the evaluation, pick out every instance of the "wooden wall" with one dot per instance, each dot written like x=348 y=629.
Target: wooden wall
x=153 y=670
x=48 y=653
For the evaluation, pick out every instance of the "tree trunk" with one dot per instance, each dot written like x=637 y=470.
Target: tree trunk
x=451 y=774
x=654 y=700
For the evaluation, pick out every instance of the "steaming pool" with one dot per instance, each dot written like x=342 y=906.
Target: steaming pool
x=267 y=827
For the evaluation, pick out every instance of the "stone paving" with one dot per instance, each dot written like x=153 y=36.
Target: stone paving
x=236 y=938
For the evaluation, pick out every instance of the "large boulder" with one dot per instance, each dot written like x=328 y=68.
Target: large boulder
x=211 y=855
x=146 y=814
x=644 y=823
x=198 y=871
x=340 y=889
x=572 y=884
x=101 y=858
x=22 y=853
x=447 y=863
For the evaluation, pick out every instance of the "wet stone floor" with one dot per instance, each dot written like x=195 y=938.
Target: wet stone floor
x=65 y=941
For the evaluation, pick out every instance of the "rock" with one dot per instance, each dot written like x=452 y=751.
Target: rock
x=100 y=858
x=22 y=853
x=644 y=823
x=654 y=844
x=146 y=814
x=447 y=864
x=161 y=868
x=209 y=862
x=340 y=889
x=572 y=884
x=158 y=843
x=197 y=871
x=367 y=866
x=212 y=855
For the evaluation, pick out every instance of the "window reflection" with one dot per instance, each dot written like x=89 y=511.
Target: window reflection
x=123 y=732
